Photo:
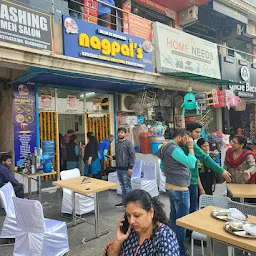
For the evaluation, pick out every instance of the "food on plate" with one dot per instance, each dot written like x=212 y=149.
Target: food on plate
x=19 y=108
x=28 y=109
x=29 y=118
x=236 y=225
x=20 y=118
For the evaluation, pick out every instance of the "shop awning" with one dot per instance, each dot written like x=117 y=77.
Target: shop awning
x=202 y=79
x=69 y=80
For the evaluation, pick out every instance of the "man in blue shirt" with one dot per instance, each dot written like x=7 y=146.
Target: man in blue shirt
x=104 y=12
x=6 y=176
x=104 y=147
x=177 y=165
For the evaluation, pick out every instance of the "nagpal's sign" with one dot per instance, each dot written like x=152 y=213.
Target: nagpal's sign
x=89 y=41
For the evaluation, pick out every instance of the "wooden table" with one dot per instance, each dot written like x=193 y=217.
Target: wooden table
x=202 y=222
x=94 y=187
x=38 y=178
x=242 y=191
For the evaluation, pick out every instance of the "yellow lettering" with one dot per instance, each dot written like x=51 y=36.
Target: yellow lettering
x=106 y=47
x=139 y=54
x=84 y=40
x=125 y=50
x=95 y=43
x=115 y=48
x=131 y=50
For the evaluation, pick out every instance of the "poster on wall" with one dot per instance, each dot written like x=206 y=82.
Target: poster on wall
x=24 y=122
x=181 y=52
x=25 y=26
x=71 y=101
x=45 y=101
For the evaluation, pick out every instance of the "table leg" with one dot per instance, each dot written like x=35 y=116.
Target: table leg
x=74 y=208
x=39 y=188
x=210 y=251
x=29 y=187
x=97 y=215
x=242 y=200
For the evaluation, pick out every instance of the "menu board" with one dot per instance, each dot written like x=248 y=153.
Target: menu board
x=24 y=122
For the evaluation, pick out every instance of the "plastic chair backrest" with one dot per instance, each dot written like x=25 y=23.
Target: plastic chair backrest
x=29 y=215
x=209 y=200
x=69 y=174
x=244 y=208
x=190 y=101
x=136 y=171
x=6 y=194
x=149 y=170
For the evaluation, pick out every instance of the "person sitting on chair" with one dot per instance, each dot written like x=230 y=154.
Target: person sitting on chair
x=6 y=176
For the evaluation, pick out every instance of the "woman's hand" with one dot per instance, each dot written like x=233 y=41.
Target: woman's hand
x=201 y=192
x=120 y=236
x=247 y=174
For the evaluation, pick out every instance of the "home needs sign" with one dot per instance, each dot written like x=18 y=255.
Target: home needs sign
x=24 y=26
x=182 y=52
x=89 y=41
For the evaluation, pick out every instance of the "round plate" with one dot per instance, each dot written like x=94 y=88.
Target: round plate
x=238 y=233
x=225 y=217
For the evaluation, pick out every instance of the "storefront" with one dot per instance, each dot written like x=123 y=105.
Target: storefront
x=47 y=103
x=243 y=74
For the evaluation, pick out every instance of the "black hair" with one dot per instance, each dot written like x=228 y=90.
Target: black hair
x=122 y=129
x=191 y=126
x=201 y=142
x=70 y=131
x=241 y=140
x=144 y=199
x=89 y=135
x=179 y=132
x=93 y=140
x=72 y=138
x=5 y=157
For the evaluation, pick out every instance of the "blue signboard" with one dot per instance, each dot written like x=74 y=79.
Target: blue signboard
x=92 y=42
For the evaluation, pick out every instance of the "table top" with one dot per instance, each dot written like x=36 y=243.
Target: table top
x=75 y=185
x=36 y=174
x=202 y=222
x=242 y=190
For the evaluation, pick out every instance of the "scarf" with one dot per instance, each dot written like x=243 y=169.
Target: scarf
x=231 y=162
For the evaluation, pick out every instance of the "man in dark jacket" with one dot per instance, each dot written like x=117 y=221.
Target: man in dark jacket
x=125 y=159
x=6 y=176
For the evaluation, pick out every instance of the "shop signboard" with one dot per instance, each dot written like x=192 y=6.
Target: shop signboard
x=96 y=43
x=25 y=26
x=182 y=52
x=242 y=72
x=24 y=122
x=159 y=8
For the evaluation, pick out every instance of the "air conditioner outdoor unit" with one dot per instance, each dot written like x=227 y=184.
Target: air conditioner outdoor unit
x=231 y=31
x=126 y=102
x=188 y=16
x=249 y=30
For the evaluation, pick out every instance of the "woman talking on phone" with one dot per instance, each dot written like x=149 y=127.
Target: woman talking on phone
x=144 y=229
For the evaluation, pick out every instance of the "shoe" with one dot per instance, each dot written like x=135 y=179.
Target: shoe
x=119 y=205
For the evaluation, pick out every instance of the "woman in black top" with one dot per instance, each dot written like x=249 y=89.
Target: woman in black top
x=91 y=157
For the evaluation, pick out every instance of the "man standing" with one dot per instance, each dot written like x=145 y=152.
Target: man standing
x=104 y=12
x=6 y=176
x=125 y=159
x=177 y=165
x=194 y=130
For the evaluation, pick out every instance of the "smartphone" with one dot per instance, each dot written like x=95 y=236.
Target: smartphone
x=126 y=225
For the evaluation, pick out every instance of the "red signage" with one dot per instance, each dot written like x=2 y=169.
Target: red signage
x=91 y=11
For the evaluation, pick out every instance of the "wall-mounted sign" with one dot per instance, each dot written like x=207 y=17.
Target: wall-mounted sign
x=71 y=102
x=24 y=26
x=244 y=76
x=230 y=12
x=24 y=122
x=182 y=52
x=92 y=42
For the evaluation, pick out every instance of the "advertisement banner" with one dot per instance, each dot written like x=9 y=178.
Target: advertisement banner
x=91 y=11
x=24 y=122
x=71 y=101
x=96 y=43
x=24 y=26
x=182 y=52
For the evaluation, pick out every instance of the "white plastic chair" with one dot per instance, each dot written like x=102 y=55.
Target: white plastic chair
x=204 y=201
x=38 y=236
x=149 y=180
x=9 y=229
x=83 y=204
